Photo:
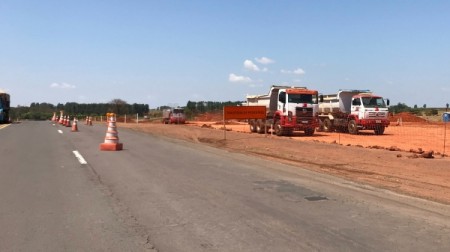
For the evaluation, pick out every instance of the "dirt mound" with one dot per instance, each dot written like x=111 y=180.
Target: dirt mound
x=406 y=117
x=209 y=117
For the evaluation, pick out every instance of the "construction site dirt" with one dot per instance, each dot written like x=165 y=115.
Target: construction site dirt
x=390 y=161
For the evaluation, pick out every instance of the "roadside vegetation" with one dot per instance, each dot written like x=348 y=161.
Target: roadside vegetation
x=44 y=111
x=416 y=110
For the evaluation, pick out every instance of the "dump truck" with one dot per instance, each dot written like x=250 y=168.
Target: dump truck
x=174 y=115
x=288 y=109
x=4 y=107
x=352 y=111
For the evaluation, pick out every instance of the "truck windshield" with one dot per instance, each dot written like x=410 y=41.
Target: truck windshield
x=177 y=111
x=372 y=102
x=302 y=98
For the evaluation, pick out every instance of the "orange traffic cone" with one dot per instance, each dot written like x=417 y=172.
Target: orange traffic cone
x=112 y=137
x=61 y=117
x=68 y=121
x=54 y=117
x=75 y=125
x=90 y=121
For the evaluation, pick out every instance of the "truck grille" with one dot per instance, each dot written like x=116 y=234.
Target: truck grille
x=376 y=114
x=303 y=114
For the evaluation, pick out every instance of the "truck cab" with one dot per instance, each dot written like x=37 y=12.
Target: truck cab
x=370 y=111
x=364 y=103
x=297 y=102
x=174 y=115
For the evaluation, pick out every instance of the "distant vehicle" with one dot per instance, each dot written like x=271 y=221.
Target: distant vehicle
x=4 y=107
x=174 y=115
x=353 y=110
x=289 y=109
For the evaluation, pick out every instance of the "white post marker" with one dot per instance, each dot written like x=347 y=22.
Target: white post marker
x=79 y=157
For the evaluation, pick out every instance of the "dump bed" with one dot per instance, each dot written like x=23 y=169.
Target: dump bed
x=269 y=100
x=340 y=102
x=258 y=100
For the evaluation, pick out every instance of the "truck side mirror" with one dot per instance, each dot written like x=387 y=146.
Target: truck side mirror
x=388 y=102
x=320 y=98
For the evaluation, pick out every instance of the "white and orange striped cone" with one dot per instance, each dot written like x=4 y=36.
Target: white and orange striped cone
x=90 y=121
x=112 y=137
x=61 y=117
x=54 y=117
x=68 y=122
x=74 y=125
x=87 y=120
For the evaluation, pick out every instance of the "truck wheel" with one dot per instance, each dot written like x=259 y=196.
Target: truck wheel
x=379 y=130
x=320 y=128
x=252 y=126
x=327 y=125
x=309 y=131
x=278 y=129
x=260 y=127
x=288 y=132
x=352 y=127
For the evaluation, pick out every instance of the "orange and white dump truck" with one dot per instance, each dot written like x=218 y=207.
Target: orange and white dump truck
x=352 y=111
x=289 y=109
x=174 y=115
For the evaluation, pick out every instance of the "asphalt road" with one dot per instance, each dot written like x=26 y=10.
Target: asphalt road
x=168 y=195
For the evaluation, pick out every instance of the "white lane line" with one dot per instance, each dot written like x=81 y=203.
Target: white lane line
x=60 y=131
x=80 y=158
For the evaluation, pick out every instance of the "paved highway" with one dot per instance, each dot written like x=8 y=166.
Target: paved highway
x=58 y=192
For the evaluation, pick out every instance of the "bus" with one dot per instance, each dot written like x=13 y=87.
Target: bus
x=4 y=107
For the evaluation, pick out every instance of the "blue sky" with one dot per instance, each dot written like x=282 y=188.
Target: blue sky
x=170 y=52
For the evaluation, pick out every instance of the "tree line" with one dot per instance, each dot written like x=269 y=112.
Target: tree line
x=402 y=107
x=195 y=108
x=44 y=111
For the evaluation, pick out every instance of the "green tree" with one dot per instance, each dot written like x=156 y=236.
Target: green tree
x=118 y=106
x=400 y=107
